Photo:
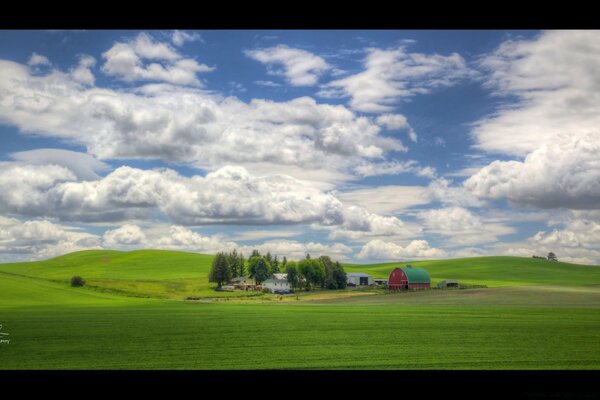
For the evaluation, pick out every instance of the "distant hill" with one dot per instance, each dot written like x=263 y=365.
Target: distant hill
x=495 y=271
x=173 y=274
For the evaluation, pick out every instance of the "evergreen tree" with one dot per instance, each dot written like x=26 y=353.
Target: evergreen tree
x=232 y=258
x=240 y=265
x=219 y=270
x=284 y=262
x=339 y=276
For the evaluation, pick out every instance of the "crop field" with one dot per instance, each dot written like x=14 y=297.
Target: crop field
x=131 y=315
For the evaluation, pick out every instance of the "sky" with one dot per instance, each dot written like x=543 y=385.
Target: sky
x=367 y=146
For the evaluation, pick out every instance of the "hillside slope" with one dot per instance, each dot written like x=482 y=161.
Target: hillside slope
x=172 y=274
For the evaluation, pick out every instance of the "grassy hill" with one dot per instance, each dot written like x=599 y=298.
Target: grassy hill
x=512 y=326
x=495 y=271
x=176 y=275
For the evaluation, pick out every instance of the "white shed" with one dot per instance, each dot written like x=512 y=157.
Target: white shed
x=276 y=284
x=359 y=279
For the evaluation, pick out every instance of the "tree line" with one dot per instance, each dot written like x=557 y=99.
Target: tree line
x=304 y=274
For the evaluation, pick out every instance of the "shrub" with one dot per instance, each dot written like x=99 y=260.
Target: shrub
x=77 y=281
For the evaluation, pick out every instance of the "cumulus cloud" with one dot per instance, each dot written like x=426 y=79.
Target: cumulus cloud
x=126 y=235
x=441 y=189
x=179 y=38
x=394 y=74
x=359 y=224
x=228 y=195
x=187 y=125
x=417 y=249
x=397 y=122
x=82 y=165
x=299 y=67
x=143 y=58
x=460 y=226
x=40 y=239
x=37 y=59
x=562 y=173
x=385 y=199
x=555 y=78
x=294 y=250
x=83 y=73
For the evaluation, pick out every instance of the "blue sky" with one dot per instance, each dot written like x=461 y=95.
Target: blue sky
x=363 y=145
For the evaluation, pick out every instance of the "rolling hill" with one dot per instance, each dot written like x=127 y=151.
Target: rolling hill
x=176 y=275
x=536 y=308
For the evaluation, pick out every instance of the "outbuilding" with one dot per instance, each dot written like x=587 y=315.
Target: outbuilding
x=409 y=277
x=359 y=279
x=447 y=284
x=276 y=285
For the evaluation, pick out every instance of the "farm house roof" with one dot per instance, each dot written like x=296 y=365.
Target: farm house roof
x=357 y=274
x=416 y=275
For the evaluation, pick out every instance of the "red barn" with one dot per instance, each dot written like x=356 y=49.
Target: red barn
x=409 y=277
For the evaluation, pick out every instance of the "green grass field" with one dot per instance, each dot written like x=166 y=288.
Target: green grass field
x=534 y=315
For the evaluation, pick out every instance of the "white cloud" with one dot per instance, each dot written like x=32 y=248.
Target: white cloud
x=126 y=235
x=228 y=195
x=299 y=67
x=397 y=121
x=83 y=73
x=386 y=168
x=562 y=173
x=441 y=189
x=264 y=234
x=176 y=124
x=84 y=166
x=359 y=224
x=267 y=83
x=126 y=61
x=180 y=37
x=294 y=250
x=417 y=249
x=385 y=199
x=459 y=226
x=37 y=59
x=394 y=74
x=37 y=239
x=555 y=77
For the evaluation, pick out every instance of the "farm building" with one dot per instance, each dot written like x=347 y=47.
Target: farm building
x=359 y=279
x=379 y=281
x=447 y=284
x=409 y=277
x=276 y=284
x=242 y=283
x=280 y=276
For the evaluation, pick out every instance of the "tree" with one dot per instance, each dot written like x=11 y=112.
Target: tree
x=259 y=269
x=552 y=257
x=77 y=281
x=240 y=265
x=284 y=261
x=255 y=253
x=269 y=258
x=233 y=261
x=339 y=276
x=219 y=270
x=329 y=281
x=292 y=274
x=305 y=272
x=275 y=268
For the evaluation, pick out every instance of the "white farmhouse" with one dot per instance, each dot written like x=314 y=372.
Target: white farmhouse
x=359 y=279
x=276 y=285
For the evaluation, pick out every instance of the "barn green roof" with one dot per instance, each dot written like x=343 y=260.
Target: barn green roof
x=416 y=275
